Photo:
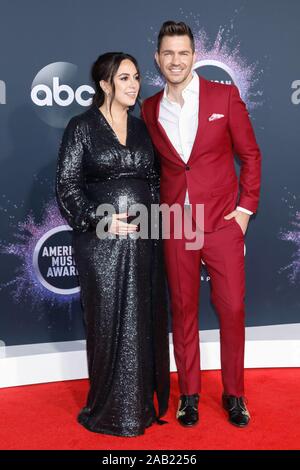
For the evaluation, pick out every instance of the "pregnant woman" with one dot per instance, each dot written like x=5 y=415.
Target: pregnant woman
x=106 y=156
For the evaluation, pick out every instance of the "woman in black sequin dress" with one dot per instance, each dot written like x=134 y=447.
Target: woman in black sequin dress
x=106 y=156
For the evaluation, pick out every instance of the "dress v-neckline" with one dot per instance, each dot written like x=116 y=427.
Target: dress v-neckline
x=112 y=130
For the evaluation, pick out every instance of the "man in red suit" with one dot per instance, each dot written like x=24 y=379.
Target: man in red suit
x=197 y=126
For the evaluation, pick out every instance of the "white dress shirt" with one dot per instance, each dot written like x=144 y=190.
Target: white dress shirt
x=181 y=122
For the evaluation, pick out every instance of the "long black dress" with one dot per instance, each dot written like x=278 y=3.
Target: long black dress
x=122 y=279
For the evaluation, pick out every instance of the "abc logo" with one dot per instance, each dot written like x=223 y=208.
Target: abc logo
x=58 y=95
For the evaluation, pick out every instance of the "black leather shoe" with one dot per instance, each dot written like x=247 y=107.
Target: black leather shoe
x=237 y=411
x=187 y=413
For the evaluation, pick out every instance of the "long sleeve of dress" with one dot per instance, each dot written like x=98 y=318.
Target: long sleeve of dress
x=75 y=207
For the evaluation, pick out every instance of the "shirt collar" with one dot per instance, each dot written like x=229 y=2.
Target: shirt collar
x=192 y=87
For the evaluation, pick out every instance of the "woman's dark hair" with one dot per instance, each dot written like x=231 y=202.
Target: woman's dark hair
x=105 y=68
x=171 y=28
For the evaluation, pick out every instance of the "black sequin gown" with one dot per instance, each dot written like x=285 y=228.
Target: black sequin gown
x=122 y=280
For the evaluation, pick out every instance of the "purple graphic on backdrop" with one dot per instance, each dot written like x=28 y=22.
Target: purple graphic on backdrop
x=222 y=53
x=293 y=236
x=46 y=272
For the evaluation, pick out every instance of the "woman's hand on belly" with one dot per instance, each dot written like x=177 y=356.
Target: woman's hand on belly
x=117 y=227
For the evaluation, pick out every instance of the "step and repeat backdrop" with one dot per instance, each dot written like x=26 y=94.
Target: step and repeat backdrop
x=47 y=49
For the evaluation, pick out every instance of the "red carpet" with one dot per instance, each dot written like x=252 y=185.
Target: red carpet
x=44 y=417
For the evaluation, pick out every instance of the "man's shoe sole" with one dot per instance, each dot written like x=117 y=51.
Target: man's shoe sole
x=234 y=424
x=188 y=425
x=239 y=425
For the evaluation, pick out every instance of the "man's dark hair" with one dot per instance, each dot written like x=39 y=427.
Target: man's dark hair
x=171 y=28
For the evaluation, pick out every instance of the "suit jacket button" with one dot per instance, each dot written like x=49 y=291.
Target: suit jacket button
x=187 y=168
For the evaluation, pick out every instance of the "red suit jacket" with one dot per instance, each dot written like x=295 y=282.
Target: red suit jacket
x=209 y=174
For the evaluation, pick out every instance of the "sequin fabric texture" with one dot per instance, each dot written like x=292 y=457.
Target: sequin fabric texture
x=122 y=279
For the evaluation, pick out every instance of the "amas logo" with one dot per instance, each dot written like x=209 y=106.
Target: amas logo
x=46 y=270
x=56 y=94
x=2 y=92
x=295 y=97
x=216 y=71
x=53 y=261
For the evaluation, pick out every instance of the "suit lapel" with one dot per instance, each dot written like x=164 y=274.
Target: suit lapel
x=202 y=116
x=162 y=131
